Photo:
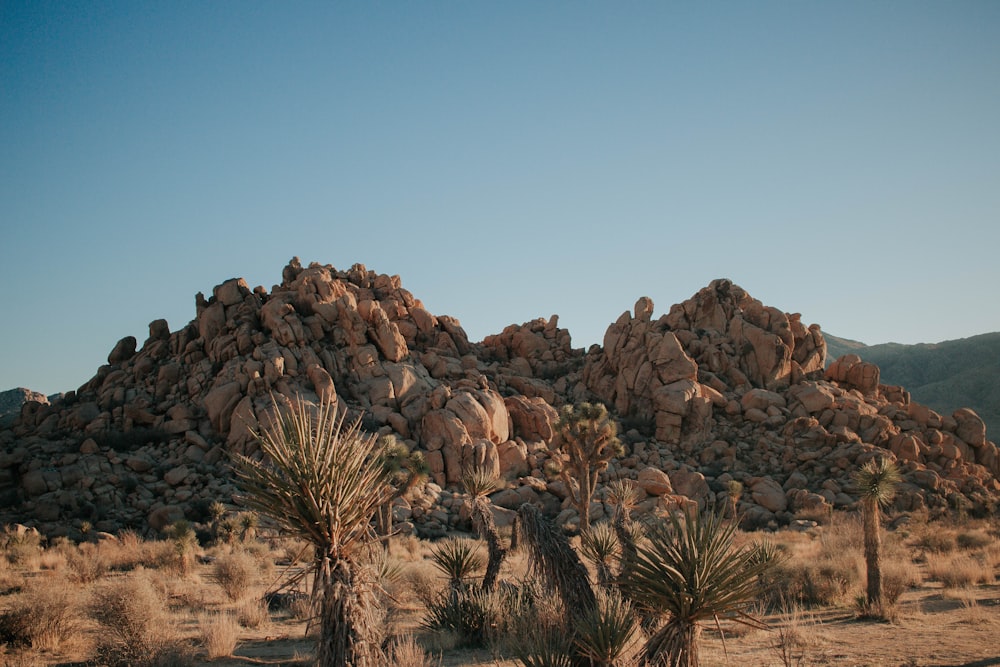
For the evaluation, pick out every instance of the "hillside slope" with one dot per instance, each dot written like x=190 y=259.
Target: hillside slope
x=720 y=388
x=944 y=376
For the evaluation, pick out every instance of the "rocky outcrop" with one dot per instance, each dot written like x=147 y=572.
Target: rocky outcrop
x=721 y=388
x=12 y=400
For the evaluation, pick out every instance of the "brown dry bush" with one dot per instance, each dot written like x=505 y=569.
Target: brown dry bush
x=406 y=652
x=970 y=540
x=220 y=634
x=21 y=547
x=253 y=613
x=135 y=628
x=958 y=571
x=236 y=573
x=87 y=563
x=43 y=616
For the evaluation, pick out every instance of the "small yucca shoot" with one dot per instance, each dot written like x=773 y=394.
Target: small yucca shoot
x=459 y=558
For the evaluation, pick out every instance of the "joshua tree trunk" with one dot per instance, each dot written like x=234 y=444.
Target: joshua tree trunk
x=348 y=636
x=581 y=495
x=482 y=520
x=873 y=553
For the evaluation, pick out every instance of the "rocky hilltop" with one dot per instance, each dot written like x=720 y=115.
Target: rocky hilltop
x=720 y=388
x=12 y=400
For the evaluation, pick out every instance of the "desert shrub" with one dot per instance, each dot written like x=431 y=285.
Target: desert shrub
x=253 y=613
x=235 y=573
x=958 y=571
x=970 y=540
x=21 y=547
x=421 y=580
x=87 y=564
x=822 y=583
x=407 y=547
x=135 y=629
x=219 y=634
x=476 y=616
x=897 y=577
x=42 y=616
x=936 y=541
x=539 y=638
x=406 y=652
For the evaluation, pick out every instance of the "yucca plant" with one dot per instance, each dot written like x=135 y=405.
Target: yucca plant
x=688 y=571
x=458 y=558
x=601 y=546
x=322 y=481
x=607 y=635
x=479 y=482
x=624 y=495
x=876 y=482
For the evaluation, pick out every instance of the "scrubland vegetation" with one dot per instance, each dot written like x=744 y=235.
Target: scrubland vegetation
x=126 y=600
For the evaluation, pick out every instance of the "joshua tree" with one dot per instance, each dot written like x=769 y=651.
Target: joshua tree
x=478 y=483
x=323 y=481
x=406 y=470
x=624 y=496
x=585 y=440
x=689 y=572
x=876 y=482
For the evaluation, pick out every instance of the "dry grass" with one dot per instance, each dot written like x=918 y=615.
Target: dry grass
x=135 y=627
x=252 y=613
x=220 y=633
x=44 y=616
x=958 y=570
x=236 y=573
x=941 y=599
x=406 y=652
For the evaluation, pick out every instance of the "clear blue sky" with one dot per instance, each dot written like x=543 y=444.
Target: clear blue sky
x=509 y=160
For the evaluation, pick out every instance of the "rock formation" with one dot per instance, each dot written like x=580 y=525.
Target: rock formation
x=720 y=388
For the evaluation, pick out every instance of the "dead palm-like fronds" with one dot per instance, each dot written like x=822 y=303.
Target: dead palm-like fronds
x=554 y=561
x=876 y=482
x=323 y=481
x=601 y=546
x=689 y=571
x=479 y=483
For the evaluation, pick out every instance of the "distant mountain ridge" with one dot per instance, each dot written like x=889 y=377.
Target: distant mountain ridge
x=945 y=376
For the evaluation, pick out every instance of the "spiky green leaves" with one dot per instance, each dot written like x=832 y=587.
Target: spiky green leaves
x=458 y=558
x=320 y=479
x=877 y=480
x=479 y=481
x=608 y=633
x=689 y=571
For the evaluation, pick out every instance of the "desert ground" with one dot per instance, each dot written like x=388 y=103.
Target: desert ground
x=203 y=604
